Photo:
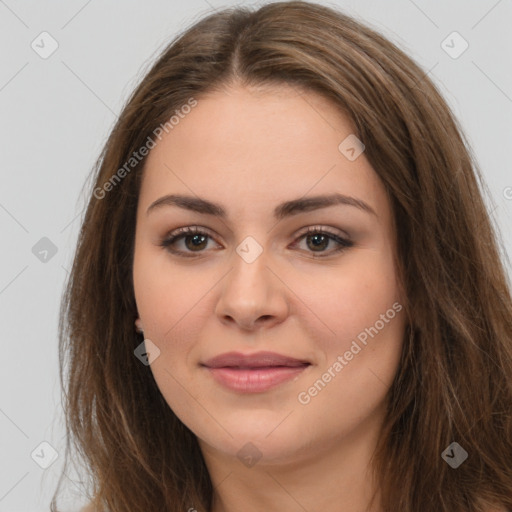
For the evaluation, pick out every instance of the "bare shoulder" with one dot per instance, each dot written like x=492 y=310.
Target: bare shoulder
x=89 y=508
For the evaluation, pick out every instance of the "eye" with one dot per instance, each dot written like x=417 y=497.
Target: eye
x=318 y=238
x=194 y=237
x=196 y=240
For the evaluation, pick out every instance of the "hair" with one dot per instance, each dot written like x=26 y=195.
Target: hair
x=454 y=380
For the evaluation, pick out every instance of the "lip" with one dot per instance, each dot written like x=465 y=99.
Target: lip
x=254 y=373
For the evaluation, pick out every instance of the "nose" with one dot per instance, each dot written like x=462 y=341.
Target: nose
x=252 y=295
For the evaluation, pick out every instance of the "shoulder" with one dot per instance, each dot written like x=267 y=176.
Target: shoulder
x=88 y=508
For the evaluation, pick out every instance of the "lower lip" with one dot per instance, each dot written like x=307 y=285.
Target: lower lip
x=255 y=380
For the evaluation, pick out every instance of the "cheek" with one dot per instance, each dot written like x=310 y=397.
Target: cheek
x=352 y=298
x=169 y=304
x=359 y=361
x=162 y=292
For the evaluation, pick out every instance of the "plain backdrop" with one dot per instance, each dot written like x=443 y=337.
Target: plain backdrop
x=56 y=112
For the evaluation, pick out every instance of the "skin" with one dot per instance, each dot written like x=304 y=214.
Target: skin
x=250 y=150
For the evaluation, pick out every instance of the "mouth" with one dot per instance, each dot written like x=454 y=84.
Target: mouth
x=254 y=373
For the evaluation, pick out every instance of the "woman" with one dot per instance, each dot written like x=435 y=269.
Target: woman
x=287 y=293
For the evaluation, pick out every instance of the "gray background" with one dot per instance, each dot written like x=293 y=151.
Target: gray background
x=56 y=113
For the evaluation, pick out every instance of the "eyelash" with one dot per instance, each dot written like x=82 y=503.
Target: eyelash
x=194 y=230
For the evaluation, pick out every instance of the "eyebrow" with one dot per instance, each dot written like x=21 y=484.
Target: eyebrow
x=283 y=210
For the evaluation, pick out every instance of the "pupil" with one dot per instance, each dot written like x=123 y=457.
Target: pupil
x=195 y=239
x=316 y=239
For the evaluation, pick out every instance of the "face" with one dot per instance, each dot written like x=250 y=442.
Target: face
x=277 y=316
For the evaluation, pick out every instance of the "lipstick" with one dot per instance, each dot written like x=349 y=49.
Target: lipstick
x=254 y=373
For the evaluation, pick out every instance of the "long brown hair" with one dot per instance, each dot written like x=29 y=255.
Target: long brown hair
x=454 y=382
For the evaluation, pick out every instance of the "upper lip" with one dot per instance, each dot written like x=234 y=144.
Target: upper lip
x=257 y=360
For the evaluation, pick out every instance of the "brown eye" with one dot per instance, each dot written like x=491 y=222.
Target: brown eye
x=318 y=239
x=195 y=241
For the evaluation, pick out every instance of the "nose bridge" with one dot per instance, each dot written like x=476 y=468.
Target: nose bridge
x=250 y=291
x=249 y=272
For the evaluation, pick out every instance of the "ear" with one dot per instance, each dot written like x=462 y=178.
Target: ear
x=138 y=325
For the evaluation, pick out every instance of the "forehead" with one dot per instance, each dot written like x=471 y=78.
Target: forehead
x=239 y=118
x=273 y=143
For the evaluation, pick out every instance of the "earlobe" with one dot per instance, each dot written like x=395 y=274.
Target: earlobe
x=138 y=325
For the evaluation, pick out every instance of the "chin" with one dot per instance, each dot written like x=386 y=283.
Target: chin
x=251 y=451
x=253 y=437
